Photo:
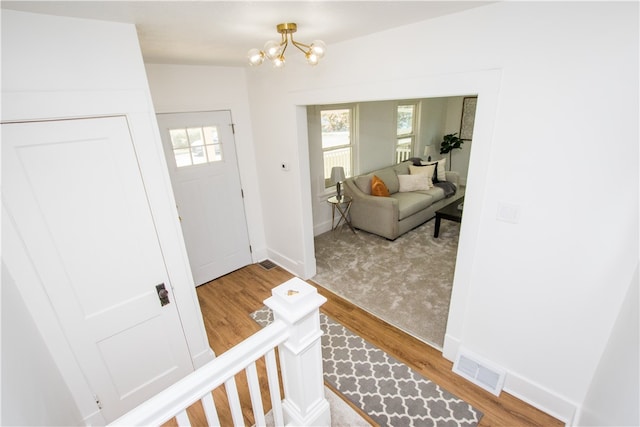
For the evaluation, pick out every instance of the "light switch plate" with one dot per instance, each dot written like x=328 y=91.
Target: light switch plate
x=508 y=212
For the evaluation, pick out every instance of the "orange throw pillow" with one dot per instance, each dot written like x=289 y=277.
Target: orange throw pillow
x=378 y=188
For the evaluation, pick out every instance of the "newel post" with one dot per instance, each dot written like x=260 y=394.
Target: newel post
x=296 y=303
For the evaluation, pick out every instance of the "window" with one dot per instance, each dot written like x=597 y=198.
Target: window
x=197 y=145
x=406 y=131
x=337 y=141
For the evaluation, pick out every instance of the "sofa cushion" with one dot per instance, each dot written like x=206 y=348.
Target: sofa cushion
x=414 y=183
x=402 y=168
x=378 y=187
x=412 y=202
x=390 y=179
x=363 y=182
x=436 y=193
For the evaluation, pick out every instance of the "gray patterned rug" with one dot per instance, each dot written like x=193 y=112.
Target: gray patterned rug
x=406 y=282
x=387 y=390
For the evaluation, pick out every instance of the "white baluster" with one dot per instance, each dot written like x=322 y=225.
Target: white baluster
x=256 y=395
x=234 y=402
x=210 y=410
x=183 y=419
x=296 y=303
x=274 y=387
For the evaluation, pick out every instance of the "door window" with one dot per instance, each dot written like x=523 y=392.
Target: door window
x=195 y=145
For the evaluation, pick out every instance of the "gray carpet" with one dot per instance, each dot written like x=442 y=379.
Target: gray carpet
x=387 y=390
x=406 y=282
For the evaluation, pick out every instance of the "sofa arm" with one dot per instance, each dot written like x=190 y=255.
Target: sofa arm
x=379 y=215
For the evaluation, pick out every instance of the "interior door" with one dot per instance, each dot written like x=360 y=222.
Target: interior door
x=203 y=167
x=74 y=194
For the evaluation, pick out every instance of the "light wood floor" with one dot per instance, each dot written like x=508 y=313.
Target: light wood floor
x=227 y=302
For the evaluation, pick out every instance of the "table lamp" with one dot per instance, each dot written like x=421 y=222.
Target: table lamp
x=337 y=176
x=427 y=152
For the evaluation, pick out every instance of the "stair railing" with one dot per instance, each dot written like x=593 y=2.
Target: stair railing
x=296 y=332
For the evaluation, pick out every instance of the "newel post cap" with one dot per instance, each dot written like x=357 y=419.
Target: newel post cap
x=293 y=300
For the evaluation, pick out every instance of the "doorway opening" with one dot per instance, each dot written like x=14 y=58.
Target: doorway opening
x=406 y=282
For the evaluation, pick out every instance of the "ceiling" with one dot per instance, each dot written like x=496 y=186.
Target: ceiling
x=221 y=32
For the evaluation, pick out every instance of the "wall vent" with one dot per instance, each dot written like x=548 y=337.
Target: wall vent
x=267 y=264
x=479 y=371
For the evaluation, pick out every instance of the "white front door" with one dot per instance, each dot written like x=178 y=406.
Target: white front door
x=203 y=167
x=72 y=190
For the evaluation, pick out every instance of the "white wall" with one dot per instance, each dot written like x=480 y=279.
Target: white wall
x=186 y=88
x=57 y=67
x=376 y=135
x=433 y=114
x=441 y=116
x=614 y=392
x=553 y=78
x=285 y=195
x=33 y=391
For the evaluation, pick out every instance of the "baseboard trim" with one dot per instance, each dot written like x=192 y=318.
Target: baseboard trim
x=450 y=348
x=321 y=228
x=524 y=389
x=294 y=267
x=541 y=398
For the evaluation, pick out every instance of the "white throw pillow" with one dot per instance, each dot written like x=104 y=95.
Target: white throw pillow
x=414 y=182
x=441 y=170
x=425 y=170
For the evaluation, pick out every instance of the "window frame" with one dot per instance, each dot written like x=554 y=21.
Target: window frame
x=349 y=170
x=413 y=135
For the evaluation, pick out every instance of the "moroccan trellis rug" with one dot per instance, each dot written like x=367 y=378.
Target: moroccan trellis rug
x=390 y=392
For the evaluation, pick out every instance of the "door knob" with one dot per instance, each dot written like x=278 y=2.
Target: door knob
x=163 y=294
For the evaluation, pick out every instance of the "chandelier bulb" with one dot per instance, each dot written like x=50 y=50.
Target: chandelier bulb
x=312 y=58
x=279 y=62
x=272 y=49
x=256 y=57
x=319 y=48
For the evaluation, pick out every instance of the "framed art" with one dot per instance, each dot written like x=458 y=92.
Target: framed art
x=468 y=117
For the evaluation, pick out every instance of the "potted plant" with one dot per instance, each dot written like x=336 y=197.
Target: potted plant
x=449 y=143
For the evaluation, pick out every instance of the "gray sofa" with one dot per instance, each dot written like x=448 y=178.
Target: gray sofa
x=393 y=216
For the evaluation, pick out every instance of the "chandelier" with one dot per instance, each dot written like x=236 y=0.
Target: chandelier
x=274 y=51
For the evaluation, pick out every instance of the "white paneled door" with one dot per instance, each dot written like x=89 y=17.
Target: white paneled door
x=72 y=190
x=203 y=167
